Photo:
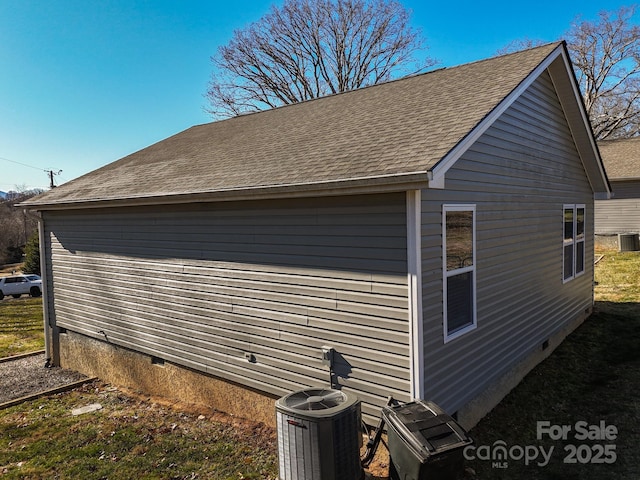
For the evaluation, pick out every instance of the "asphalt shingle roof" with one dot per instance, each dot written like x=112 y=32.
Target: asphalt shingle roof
x=621 y=158
x=402 y=127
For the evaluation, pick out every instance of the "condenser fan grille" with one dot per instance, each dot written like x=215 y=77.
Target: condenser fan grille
x=319 y=435
x=308 y=400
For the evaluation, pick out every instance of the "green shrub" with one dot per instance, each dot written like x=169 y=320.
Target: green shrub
x=32 y=254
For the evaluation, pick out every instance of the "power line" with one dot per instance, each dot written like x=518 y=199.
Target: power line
x=49 y=172
x=11 y=186
x=23 y=164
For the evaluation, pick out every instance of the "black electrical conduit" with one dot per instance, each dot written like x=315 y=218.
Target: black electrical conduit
x=374 y=438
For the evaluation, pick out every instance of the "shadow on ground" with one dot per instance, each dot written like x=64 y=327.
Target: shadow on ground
x=592 y=377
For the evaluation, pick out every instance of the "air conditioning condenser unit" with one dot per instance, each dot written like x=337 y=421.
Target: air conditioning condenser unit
x=319 y=435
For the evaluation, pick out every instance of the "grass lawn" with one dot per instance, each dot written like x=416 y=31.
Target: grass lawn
x=129 y=438
x=593 y=377
x=21 y=328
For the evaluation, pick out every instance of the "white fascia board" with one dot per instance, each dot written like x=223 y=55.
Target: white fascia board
x=586 y=124
x=436 y=175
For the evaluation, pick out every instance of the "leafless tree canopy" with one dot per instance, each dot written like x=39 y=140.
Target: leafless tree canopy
x=16 y=225
x=606 y=57
x=520 y=44
x=310 y=48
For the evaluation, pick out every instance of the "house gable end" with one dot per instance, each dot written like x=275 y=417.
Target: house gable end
x=559 y=68
x=517 y=176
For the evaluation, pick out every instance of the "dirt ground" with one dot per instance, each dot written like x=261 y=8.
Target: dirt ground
x=27 y=375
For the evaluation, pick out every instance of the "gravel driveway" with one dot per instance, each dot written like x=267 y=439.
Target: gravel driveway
x=27 y=375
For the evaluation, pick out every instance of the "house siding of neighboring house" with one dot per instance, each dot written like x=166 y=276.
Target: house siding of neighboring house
x=335 y=223
x=621 y=213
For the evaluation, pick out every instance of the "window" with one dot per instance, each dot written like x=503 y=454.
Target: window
x=459 y=266
x=573 y=241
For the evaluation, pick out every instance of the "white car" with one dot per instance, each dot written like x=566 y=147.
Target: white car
x=17 y=285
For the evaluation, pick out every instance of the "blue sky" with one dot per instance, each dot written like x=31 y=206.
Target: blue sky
x=85 y=82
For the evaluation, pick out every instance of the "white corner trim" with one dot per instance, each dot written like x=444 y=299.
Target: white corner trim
x=414 y=278
x=45 y=289
x=436 y=175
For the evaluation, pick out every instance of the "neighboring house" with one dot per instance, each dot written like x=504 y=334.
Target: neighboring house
x=620 y=214
x=436 y=231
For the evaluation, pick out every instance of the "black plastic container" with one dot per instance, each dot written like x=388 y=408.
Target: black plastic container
x=424 y=442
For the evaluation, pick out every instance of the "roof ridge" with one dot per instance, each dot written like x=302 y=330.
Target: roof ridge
x=387 y=82
x=517 y=52
x=406 y=125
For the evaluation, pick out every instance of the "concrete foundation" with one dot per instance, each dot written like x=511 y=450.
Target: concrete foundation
x=123 y=367
x=136 y=371
x=469 y=415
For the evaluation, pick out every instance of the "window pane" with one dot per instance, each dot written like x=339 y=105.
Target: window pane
x=568 y=261
x=459 y=301
x=459 y=232
x=568 y=223
x=580 y=222
x=579 y=257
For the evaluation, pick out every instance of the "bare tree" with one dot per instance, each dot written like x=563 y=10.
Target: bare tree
x=520 y=44
x=310 y=48
x=606 y=57
x=16 y=225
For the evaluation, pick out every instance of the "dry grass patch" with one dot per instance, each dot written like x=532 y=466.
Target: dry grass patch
x=21 y=326
x=129 y=437
x=6 y=270
x=618 y=277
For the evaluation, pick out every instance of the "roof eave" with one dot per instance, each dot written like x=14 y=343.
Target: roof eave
x=356 y=186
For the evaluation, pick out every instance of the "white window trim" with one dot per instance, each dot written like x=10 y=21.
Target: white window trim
x=445 y=274
x=575 y=241
x=566 y=242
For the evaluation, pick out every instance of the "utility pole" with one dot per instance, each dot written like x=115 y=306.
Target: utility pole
x=51 y=174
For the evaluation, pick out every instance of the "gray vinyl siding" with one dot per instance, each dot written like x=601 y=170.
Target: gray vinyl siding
x=519 y=174
x=205 y=286
x=621 y=214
